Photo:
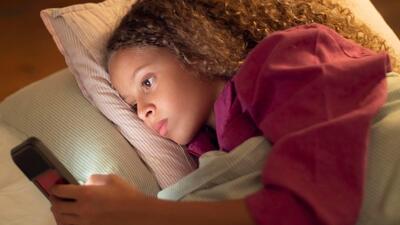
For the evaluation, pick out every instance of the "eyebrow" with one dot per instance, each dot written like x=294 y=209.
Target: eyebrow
x=140 y=68
x=124 y=98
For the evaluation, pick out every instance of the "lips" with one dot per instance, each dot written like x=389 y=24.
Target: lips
x=161 y=127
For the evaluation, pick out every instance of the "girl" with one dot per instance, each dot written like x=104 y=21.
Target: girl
x=202 y=74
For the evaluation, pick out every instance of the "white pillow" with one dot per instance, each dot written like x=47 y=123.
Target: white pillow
x=81 y=32
x=55 y=111
x=366 y=12
x=21 y=202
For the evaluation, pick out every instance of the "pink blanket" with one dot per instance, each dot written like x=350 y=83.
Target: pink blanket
x=313 y=94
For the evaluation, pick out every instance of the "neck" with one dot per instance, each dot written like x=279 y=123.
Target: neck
x=218 y=87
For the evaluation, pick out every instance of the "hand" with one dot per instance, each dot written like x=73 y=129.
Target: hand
x=103 y=200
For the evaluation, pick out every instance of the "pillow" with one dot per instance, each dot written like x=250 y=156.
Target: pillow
x=381 y=203
x=55 y=111
x=366 y=12
x=81 y=32
x=21 y=203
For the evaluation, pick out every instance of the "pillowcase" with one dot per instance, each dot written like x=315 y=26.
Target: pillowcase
x=55 y=111
x=21 y=202
x=366 y=12
x=81 y=32
x=381 y=203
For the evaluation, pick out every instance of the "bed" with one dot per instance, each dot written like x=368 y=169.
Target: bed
x=55 y=110
x=80 y=130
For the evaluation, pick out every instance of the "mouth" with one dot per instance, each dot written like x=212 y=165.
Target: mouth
x=161 y=127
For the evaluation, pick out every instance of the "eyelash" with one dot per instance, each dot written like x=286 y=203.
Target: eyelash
x=134 y=107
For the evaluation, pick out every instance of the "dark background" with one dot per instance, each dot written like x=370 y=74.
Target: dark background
x=28 y=53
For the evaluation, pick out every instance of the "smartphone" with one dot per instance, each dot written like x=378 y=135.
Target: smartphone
x=40 y=166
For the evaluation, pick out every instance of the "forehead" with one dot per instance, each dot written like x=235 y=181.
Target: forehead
x=123 y=64
x=139 y=55
x=129 y=56
x=126 y=61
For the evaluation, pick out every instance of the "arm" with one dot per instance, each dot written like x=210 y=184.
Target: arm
x=313 y=94
x=197 y=213
x=110 y=200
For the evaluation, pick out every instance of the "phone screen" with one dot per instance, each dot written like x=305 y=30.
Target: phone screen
x=39 y=170
x=47 y=179
x=29 y=161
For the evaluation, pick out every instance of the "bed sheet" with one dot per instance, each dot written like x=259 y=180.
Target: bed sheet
x=21 y=203
x=238 y=173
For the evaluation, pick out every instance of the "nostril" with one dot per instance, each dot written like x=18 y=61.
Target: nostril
x=148 y=113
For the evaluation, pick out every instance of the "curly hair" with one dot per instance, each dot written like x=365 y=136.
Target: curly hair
x=213 y=37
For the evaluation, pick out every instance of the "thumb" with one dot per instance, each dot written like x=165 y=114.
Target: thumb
x=97 y=179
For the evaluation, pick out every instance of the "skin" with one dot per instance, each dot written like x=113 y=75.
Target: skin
x=164 y=89
x=110 y=200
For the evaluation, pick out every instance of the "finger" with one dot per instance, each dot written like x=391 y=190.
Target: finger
x=52 y=199
x=68 y=219
x=68 y=191
x=98 y=179
x=55 y=215
x=60 y=206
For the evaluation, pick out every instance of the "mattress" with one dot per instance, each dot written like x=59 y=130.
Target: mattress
x=21 y=203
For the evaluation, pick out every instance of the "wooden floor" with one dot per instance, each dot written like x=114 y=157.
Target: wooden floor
x=27 y=52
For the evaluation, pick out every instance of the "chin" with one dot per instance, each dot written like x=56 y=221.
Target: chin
x=182 y=135
x=182 y=139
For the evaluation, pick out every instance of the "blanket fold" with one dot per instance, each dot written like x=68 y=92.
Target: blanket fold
x=312 y=94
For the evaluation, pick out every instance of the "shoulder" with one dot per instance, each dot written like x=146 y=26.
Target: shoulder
x=296 y=47
x=288 y=62
x=310 y=30
x=283 y=51
x=302 y=39
x=317 y=40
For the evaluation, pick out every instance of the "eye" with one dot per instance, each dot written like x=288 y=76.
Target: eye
x=134 y=108
x=148 y=83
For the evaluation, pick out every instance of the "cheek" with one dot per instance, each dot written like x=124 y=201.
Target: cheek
x=188 y=113
x=188 y=124
x=184 y=130
x=187 y=103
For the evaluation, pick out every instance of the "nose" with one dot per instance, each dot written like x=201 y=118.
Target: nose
x=145 y=111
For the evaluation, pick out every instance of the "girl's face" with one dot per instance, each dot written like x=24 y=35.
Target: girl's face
x=167 y=96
